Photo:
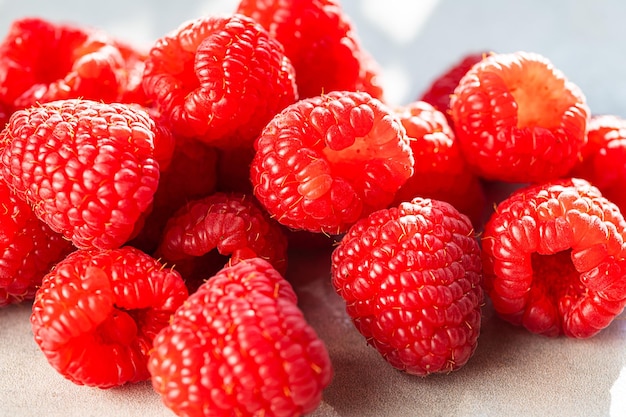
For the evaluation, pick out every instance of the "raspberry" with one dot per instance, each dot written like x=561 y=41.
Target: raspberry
x=440 y=172
x=240 y=346
x=554 y=259
x=85 y=167
x=41 y=61
x=518 y=119
x=411 y=279
x=98 y=311
x=326 y=161
x=321 y=42
x=228 y=224
x=603 y=157
x=219 y=79
x=28 y=249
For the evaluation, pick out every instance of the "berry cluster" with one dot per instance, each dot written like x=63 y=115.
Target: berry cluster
x=151 y=201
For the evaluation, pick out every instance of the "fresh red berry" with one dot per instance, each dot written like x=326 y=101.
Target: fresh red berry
x=326 y=161
x=222 y=228
x=28 y=249
x=219 y=79
x=603 y=161
x=519 y=119
x=321 y=42
x=555 y=259
x=86 y=168
x=240 y=346
x=439 y=171
x=98 y=311
x=411 y=279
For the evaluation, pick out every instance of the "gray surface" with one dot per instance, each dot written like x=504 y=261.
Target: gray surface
x=513 y=373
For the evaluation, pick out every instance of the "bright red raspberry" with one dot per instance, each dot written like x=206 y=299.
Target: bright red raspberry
x=240 y=346
x=28 y=249
x=321 y=42
x=441 y=89
x=219 y=79
x=439 y=170
x=42 y=61
x=555 y=259
x=98 y=311
x=86 y=168
x=411 y=279
x=222 y=228
x=603 y=161
x=326 y=161
x=518 y=119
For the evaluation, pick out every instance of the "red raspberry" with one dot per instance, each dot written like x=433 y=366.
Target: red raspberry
x=226 y=224
x=28 y=249
x=604 y=156
x=98 y=311
x=324 y=162
x=555 y=259
x=411 y=279
x=321 y=42
x=41 y=61
x=518 y=119
x=440 y=172
x=240 y=346
x=87 y=168
x=219 y=79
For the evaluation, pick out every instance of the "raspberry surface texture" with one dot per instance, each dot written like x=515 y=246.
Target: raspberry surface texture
x=219 y=79
x=86 y=168
x=326 y=161
x=244 y=337
x=553 y=257
x=98 y=311
x=519 y=119
x=411 y=279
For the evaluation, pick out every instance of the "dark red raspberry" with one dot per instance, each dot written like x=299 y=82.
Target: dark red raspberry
x=240 y=346
x=324 y=162
x=555 y=259
x=28 y=249
x=86 y=168
x=222 y=228
x=518 y=119
x=321 y=42
x=439 y=170
x=219 y=79
x=411 y=279
x=98 y=311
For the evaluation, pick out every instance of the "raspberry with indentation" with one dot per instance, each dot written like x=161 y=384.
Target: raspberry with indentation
x=555 y=259
x=87 y=168
x=411 y=279
x=97 y=313
x=518 y=118
x=219 y=79
x=326 y=161
x=241 y=346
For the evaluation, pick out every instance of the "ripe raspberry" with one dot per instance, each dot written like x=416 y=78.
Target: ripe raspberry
x=200 y=236
x=603 y=157
x=219 y=79
x=440 y=172
x=240 y=346
x=518 y=119
x=321 y=42
x=324 y=162
x=86 y=168
x=41 y=61
x=555 y=259
x=98 y=311
x=28 y=249
x=411 y=279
